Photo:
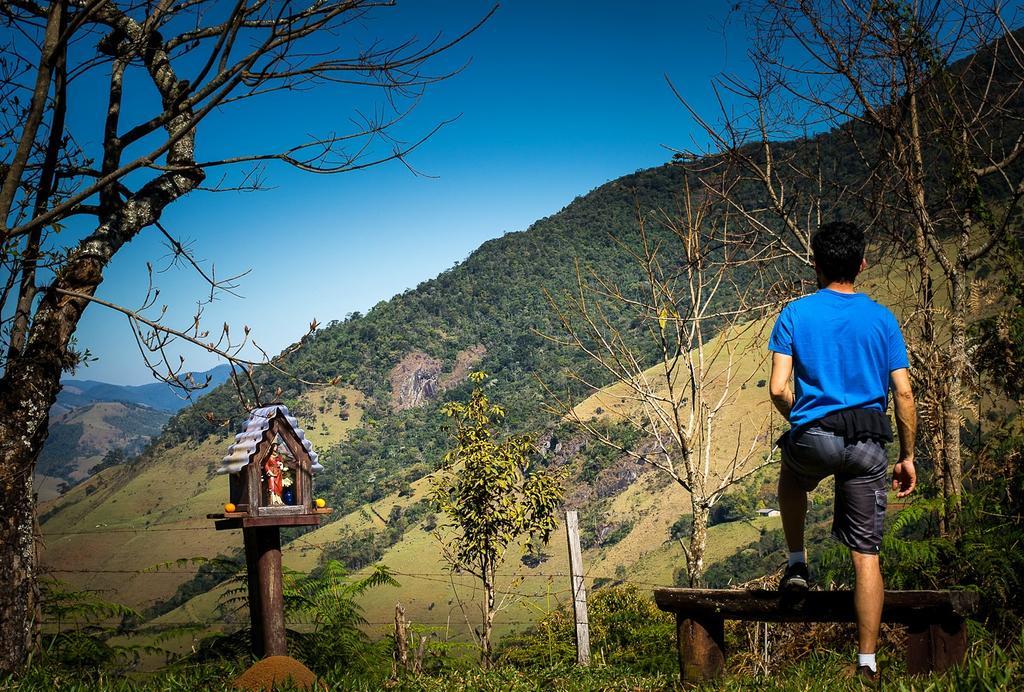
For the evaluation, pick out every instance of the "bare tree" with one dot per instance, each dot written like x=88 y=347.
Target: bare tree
x=199 y=57
x=926 y=97
x=699 y=308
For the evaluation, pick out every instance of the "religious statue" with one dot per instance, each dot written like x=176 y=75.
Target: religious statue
x=273 y=472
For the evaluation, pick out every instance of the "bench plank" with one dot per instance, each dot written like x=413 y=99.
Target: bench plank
x=935 y=622
x=905 y=607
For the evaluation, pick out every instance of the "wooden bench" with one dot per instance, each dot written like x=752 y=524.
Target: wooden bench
x=935 y=622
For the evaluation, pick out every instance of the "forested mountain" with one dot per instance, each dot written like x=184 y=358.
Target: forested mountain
x=488 y=312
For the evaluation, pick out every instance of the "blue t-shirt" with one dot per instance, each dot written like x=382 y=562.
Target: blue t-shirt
x=844 y=345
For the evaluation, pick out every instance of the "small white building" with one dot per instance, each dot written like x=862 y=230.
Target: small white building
x=768 y=512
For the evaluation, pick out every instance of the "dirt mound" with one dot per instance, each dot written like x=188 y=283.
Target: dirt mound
x=276 y=670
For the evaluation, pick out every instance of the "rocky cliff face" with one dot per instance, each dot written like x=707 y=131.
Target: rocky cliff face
x=414 y=380
x=419 y=377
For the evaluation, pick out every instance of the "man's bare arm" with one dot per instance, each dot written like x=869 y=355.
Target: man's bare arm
x=778 y=386
x=904 y=476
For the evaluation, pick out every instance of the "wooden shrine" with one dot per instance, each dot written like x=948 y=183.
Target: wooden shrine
x=270 y=467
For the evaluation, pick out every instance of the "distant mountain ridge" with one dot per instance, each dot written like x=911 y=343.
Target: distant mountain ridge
x=156 y=395
x=92 y=419
x=81 y=438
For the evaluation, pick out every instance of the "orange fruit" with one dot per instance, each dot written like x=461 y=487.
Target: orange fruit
x=229 y=507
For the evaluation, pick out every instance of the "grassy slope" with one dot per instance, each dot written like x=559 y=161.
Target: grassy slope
x=645 y=556
x=173 y=491
x=136 y=517
x=103 y=426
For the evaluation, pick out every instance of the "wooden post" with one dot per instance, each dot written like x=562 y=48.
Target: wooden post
x=401 y=640
x=417 y=664
x=701 y=644
x=935 y=647
x=579 y=589
x=271 y=591
x=249 y=538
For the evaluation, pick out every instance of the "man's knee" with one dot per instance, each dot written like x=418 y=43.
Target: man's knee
x=789 y=482
x=865 y=563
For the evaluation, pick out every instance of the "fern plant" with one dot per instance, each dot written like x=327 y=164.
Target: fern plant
x=78 y=626
x=325 y=601
x=324 y=620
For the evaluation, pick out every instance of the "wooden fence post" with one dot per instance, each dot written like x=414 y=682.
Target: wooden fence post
x=401 y=640
x=579 y=589
x=268 y=540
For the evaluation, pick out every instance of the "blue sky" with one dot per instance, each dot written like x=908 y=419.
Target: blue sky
x=558 y=98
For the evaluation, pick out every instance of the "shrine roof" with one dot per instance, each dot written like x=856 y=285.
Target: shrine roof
x=253 y=429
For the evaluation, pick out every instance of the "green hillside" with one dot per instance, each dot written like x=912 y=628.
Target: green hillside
x=81 y=438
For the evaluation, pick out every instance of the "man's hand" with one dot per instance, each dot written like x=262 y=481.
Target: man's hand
x=904 y=477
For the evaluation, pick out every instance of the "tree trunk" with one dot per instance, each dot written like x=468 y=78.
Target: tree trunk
x=486 y=651
x=27 y=391
x=935 y=430
x=947 y=378
x=956 y=370
x=19 y=599
x=29 y=388
x=25 y=400
x=698 y=545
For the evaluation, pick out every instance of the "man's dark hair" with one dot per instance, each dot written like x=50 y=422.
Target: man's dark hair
x=838 y=249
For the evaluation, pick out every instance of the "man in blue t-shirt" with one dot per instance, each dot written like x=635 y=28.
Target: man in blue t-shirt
x=844 y=352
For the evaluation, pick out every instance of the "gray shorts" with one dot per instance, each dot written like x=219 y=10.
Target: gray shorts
x=861 y=473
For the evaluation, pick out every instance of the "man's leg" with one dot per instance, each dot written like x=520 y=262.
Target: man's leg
x=793 y=507
x=860 y=514
x=868 y=594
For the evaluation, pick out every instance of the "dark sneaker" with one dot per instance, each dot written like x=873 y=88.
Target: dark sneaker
x=862 y=674
x=867 y=675
x=796 y=579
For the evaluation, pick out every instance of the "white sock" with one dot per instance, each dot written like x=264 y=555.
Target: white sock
x=798 y=556
x=867 y=660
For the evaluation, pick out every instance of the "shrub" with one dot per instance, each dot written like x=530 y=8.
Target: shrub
x=626 y=630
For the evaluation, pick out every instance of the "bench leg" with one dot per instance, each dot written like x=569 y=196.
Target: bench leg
x=936 y=647
x=701 y=645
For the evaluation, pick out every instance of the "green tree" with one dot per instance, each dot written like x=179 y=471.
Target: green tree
x=491 y=497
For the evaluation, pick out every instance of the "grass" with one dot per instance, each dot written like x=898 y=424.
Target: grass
x=325 y=427
x=988 y=667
